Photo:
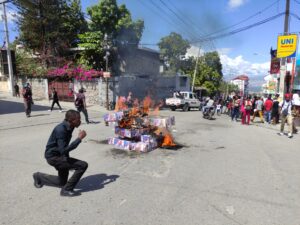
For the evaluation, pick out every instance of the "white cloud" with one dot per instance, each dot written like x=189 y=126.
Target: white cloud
x=233 y=67
x=193 y=51
x=233 y=4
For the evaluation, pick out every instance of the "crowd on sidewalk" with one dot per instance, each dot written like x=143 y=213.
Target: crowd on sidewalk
x=270 y=109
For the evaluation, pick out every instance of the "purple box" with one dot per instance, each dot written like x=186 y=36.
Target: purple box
x=119 y=143
x=129 y=133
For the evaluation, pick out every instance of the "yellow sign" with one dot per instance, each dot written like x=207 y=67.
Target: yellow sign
x=286 y=45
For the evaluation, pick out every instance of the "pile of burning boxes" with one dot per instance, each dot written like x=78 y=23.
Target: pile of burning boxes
x=137 y=132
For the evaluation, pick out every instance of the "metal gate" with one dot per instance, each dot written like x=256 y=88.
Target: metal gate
x=64 y=90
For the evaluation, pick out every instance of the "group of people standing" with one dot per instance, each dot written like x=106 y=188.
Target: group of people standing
x=269 y=110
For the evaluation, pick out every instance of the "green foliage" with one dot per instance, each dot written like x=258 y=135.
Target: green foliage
x=209 y=71
x=49 y=28
x=226 y=88
x=115 y=21
x=29 y=66
x=172 y=47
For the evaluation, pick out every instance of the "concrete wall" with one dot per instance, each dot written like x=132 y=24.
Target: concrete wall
x=160 y=87
x=40 y=89
x=93 y=89
x=39 y=86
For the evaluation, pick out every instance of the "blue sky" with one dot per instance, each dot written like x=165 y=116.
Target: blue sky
x=246 y=52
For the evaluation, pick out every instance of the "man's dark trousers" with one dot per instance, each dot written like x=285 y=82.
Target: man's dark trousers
x=53 y=102
x=63 y=164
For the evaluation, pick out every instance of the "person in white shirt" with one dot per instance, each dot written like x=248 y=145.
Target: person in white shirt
x=286 y=115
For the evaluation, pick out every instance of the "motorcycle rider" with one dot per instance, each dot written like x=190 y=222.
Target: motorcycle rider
x=209 y=104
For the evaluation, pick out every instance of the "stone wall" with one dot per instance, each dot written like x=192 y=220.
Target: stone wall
x=39 y=86
x=92 y=90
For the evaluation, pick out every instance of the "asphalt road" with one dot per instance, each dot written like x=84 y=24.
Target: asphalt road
x=225 y=173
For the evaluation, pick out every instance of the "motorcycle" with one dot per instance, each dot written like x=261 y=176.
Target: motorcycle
x=208 y=112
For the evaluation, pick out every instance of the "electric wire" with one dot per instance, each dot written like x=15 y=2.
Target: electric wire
x=240 y=29
x=192 y=36
x=185 y=17
x=244 y=20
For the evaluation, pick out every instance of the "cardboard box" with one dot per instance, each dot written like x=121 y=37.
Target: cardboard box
x=162 y=122
x=128 y=133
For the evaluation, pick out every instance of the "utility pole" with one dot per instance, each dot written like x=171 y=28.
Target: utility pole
x=106 y=68
x=282 y=86
x=9 y=61
x=196 y=68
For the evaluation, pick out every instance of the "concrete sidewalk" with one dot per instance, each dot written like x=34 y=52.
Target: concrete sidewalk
x=44 y=102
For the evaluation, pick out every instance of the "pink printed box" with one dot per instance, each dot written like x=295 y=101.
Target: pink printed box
x=162 y=121
x=119 y=143
x=113 y=117
x=128 y=133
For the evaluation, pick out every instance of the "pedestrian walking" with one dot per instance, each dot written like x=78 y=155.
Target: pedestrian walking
x=236 y=108
x=275 y=110
x=258 y=110
x=286 y=115
x=55 y=100
x=17 y=90
x=268 y=105
x=57 y=155
x=247 y=111
x=80 y=104
x=27 y=97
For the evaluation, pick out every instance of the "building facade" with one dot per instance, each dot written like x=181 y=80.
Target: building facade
x=242 y=81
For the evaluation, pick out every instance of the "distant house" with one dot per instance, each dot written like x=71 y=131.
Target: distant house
x=139 y=61
x=242 y=81
x=4 y=63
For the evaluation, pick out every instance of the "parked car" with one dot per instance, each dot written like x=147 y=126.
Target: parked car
x=183 y=100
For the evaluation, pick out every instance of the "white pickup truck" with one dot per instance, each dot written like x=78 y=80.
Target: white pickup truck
x=183 y=100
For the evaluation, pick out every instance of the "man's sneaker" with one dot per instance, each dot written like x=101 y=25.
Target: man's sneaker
x=281 y=133
x=60 y=110
x=49 y=110
x=290 y=135
x=71 y=193
x=36 y=181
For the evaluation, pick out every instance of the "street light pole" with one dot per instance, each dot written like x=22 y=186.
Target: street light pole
x=196 y=68
x=106 y=69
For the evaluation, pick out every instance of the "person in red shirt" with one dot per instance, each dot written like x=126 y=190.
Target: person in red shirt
x=268 y=109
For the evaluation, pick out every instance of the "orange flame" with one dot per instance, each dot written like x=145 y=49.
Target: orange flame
x=121 y=104
x=156 y=109
x=168 y=140
x=146 y=104
x=167 y=137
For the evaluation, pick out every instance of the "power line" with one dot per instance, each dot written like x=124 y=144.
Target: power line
x=244 y=20
x=298 y=2
x=241 y=29
x=183 y=21
x=190 y=21
x=165 y=12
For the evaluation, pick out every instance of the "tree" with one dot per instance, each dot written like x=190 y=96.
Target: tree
x=49 y=28
x=209 y=71
x=114 y=21
x=226 y=88
x=172 y=48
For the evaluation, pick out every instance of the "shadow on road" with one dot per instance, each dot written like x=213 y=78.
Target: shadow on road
x=95 y=182
x=7 y=107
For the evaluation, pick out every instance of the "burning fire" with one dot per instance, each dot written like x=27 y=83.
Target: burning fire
x=168 y=141
x=121 y=104
x=133 y=118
